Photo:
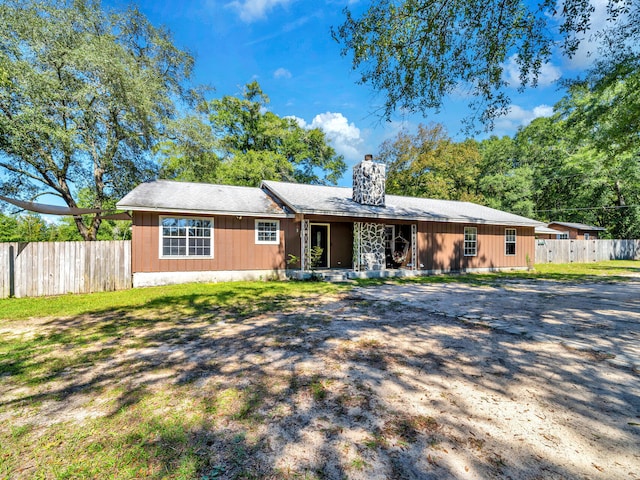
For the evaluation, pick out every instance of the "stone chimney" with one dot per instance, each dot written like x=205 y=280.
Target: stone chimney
x=369 y=182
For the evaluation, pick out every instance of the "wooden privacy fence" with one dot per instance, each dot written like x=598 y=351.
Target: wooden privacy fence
x=582 y=251
x=52 y=268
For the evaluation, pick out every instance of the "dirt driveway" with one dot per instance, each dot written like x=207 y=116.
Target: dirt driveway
x=520 y=380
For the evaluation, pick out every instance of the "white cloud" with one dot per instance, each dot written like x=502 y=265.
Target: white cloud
x=299 y=121
x=282 y=73
x=345 y=137
x=252 y=10
x=549 y=73
x=520 y=117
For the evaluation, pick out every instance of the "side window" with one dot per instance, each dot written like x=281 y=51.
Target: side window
x=470 y=241
x=510 y=241
x=267 y=231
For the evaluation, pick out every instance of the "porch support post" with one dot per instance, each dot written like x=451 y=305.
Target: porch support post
x=305 y=244
x=368 y=246
x=414 y=246
x=357 y=245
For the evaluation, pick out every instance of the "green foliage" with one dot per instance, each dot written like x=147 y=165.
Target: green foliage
x=84 y=95
x=237 y=141
x=430 y=164
x=503 y=182
x=585 y=158
x=32 y=228
x=416 y=52
x=580 y=165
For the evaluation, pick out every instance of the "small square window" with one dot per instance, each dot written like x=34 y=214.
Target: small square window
x=268 y=231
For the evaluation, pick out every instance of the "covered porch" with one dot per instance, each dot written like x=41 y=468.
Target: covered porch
x=358 y=249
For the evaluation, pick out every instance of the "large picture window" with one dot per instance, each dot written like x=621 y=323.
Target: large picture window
x=268 y=231
x=186 y=237
x=470 y=241
x=510 y=241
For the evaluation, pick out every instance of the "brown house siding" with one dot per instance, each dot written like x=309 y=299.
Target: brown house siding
x=340 y=237
x=574 y=233
x=441 y=247
x=234 y=246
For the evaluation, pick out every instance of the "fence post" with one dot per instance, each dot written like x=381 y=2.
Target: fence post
x=12 y=272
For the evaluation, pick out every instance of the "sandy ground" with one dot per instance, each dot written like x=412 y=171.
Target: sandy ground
x=521 y=380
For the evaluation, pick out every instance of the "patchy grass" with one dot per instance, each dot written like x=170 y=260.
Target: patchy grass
x=609 y=271
x=210 y=381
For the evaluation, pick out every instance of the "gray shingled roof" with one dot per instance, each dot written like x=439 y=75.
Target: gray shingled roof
x=200 y=198
x=547 y=230
x=578 y=226
x=322 y=200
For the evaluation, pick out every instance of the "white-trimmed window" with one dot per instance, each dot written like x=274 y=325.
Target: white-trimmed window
x=186 y=237
x=470 y=241
x=510 y=241
x=586 y=236
x=562 y=236
x=268 y=231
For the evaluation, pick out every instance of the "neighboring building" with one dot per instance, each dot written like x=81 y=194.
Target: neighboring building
x=546 y=233
x=202 y=232
x=576 y=231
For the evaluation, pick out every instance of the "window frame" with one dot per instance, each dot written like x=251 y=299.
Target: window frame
x=466 y=246
x=508 y=242
x=187 y=237
x=276 y=222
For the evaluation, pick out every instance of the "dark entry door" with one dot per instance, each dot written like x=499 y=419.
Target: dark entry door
x=320 y=238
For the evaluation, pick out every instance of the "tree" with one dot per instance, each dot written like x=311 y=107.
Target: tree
x=602 y=113
x=8 y=228
x=503 y=182
x=236 y=140
x=430 y=164
x=84 y=95
x=416 y=51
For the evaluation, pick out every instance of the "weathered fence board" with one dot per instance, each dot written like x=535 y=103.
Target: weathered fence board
x=54 y=268
x=582 y=251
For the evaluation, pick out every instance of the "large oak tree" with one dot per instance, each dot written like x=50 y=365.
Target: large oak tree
x=236 y=140
x=84 y=95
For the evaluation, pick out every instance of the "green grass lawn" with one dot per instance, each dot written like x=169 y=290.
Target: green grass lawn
x=84 y=348
x=249 y=296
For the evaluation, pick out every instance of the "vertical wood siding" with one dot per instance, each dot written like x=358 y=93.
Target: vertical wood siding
x=55 y=268
x=234 y=246
x=441 y=247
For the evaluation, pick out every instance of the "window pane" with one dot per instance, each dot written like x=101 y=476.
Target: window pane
x=267 y=231
x=186 y=237
x=470 y=241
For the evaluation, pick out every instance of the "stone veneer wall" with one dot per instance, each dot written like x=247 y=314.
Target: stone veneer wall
x=369 y=183
x=368 y=246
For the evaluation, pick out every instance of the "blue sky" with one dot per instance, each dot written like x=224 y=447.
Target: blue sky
x=287 y=47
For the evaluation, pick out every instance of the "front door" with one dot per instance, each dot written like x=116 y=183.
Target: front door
x=320 y=238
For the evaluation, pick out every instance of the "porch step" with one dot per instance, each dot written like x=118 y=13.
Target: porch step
x=334 y=277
